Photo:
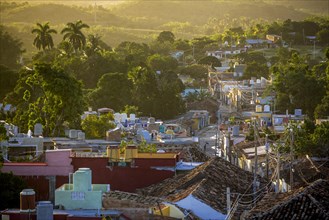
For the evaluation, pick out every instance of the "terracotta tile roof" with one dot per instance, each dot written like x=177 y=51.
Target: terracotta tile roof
x=189 y=153
x=311 y=202
x=110 y=200
x=207 y=183
x=306 y=171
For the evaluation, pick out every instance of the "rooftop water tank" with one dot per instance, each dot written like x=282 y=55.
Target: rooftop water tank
x=45 y=210
x=82 y=180
x=117 y=117
x=124 y=117
x=267 y=108
x=235 y=131
x=27 y=200
x=81 y=135
x=132 y=117
x=151 y=120
x=298 y=112
x=38 y=129
x=259 y=108
x=73 y=133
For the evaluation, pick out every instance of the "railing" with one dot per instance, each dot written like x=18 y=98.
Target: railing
x=88 y=154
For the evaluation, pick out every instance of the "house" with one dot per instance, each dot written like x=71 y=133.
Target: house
x=140 y=207
x=311 y=202
x=273 y=37
x=245 y=154
x=203 y=190
x=258 y=42
x=281 y=121
x=44 y=176
x=81 y=194
x=239 y=69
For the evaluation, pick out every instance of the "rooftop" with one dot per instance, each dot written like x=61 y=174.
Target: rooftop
x=311 y=202
x=206 y=183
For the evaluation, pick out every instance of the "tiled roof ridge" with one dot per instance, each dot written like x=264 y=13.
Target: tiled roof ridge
x=186 y=192
x=318 y=204
x=296 y=195
x=151 y=199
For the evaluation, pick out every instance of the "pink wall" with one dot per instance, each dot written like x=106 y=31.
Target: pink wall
x=58 y=163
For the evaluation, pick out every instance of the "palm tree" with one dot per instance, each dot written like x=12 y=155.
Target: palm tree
x=73 y=33
x=43 y=37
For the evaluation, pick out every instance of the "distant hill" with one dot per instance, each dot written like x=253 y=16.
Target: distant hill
x=141 y=21
x=58 y=14
x=199 y=12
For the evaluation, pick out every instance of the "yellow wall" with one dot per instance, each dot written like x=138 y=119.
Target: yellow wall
x=113 y=153
x=131 y=152
x=157 y=155
x=165 y=211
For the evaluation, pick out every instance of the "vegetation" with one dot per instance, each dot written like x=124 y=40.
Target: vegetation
x=43 y=37
x=95 y=127
x=46 y=95
x=10 y=187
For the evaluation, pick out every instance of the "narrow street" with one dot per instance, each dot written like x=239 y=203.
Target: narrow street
x=207 y=140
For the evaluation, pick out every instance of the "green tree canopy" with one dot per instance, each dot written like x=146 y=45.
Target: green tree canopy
x=8 y=81
x=296 y=87
x=166 y=36
x=10 y=49
x=169 y=100
x=10 y=187
x=73 y=32
x=254 y=69
x=113 y=91
x=48 y=96
x=96 y=126
x=195 y=71
x=43 y=39
x=162 y=63
x=210 y=61
x=144 y=90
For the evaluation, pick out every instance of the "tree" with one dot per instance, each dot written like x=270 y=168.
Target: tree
x=43 y=37
x=47 y=95
x=10 y=187
x=254 y=69
x=162 y=63
x=95 y=44
x=144 y=90
x=169 y=101
x=73 y=32
x=195 y=71
x=133 y=53
x=10 y=49
x=96 y=127
x=166 y=36
x=321 y=138
x=210 y=61
x=296 y=87
x=113 y=91
x=131 y=109
x=8 y=81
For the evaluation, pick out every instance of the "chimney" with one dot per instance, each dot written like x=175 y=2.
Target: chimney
x=27 y=200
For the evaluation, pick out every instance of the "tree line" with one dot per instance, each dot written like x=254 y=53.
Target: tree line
x=61 y=81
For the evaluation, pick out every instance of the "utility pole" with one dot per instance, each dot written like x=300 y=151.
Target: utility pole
x=291 y=158
x=256 y=161
x=228 y=199
x=267 y=146
x=278 y=172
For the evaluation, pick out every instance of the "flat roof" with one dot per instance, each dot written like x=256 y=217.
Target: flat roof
x=24 y=164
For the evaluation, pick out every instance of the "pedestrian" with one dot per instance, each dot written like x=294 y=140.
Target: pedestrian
x=205 y=147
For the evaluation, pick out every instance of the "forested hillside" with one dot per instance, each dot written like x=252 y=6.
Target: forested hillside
x=142 y=21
